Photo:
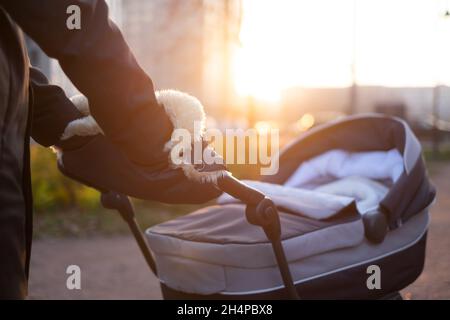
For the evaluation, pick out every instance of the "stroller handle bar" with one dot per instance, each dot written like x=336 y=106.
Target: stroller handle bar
x=240 y=190
x=261 y=211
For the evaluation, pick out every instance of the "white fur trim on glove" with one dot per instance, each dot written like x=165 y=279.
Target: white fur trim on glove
x=184 y=111
x=86 y=126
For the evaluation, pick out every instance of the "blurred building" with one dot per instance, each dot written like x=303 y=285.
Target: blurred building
x=166 y=38
x=221 y=27
x=417 y=102
x=185 y=44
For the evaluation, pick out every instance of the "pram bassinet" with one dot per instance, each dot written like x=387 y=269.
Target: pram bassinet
x=216 y=253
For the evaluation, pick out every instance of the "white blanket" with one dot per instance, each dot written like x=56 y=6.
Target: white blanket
x=313 y=204
x=323 y=202
x=377 y=165
x=367 y=193
x=352 y=175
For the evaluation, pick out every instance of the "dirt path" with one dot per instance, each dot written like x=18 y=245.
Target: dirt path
x=434 y=283
x=112 y=268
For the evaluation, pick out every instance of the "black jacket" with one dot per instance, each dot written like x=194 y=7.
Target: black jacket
x=100 y=64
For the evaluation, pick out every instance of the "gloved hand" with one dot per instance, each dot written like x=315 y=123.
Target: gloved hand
x=98 y=163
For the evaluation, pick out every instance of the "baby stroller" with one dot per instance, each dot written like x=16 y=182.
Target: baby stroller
x=350 y=194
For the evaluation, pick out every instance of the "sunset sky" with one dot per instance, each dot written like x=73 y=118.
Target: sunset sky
x=313 y=43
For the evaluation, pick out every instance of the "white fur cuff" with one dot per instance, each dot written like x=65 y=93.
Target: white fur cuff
x=184 y=111
x=86 y=126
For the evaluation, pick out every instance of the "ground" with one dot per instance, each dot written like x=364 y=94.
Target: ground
x=434 y=283
x=112 y=267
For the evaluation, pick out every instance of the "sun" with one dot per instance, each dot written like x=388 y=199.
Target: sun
x=282 y=46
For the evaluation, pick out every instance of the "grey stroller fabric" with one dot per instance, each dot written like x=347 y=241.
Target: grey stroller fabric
x=219 y=237
x=196 y=276
x=227 y=225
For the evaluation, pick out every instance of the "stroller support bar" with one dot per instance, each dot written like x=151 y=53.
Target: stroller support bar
x=261 y=211
x=121 y=203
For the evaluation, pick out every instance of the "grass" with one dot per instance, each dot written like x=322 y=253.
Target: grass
x=75 y=222
x=63 y=207
x=434 y=160
x=441 y=156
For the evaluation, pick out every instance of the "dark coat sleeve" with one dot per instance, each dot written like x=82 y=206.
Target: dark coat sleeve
x=100 y=64
x=52 y=111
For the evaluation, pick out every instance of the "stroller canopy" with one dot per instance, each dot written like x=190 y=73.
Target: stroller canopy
x=409 y=194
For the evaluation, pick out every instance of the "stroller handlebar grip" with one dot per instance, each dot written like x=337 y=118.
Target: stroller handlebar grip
x=240 y=190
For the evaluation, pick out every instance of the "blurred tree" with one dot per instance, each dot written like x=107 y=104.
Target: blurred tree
x=51 y=190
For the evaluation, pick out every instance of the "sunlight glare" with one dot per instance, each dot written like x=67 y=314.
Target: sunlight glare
x=264 y=127
x=306 y=122
x=305 y=43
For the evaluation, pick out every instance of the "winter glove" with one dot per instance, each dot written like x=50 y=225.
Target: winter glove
x=100 y=164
